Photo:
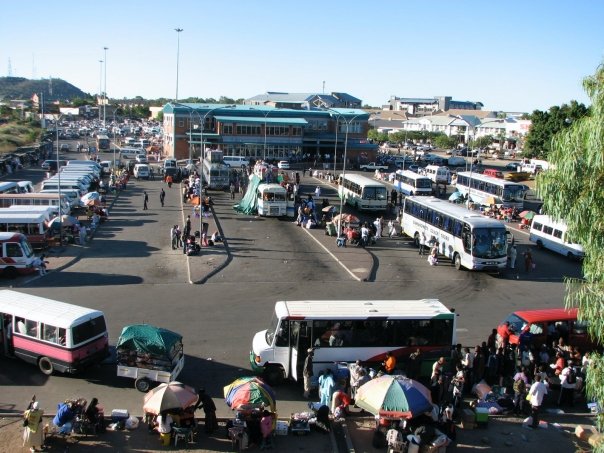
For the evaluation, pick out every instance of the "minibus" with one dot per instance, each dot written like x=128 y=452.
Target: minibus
x=85 y=163
x=49 y=212
x=550 y=234
x=9 y=187
x=236 y=161
x=438 y=174
x=65 y=184
x=36 y=199
x=92 y=171
x=72 y=195
x=55 y=336
x=26 y=187
x=17 y=255
x=32 y=225
x=271 y=200
x=546 y=326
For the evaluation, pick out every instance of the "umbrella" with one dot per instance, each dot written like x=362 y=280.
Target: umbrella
x=488 y=201
x=394 y=396
x=65 y=220
x=455 y=196
x=346 y=218
x=249 y=391
x=528 y=215
x=90 y=196
x=329 y=208
x=93 y=202
x=173 y=395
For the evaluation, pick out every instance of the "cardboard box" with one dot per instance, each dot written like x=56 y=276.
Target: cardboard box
x=468 y=419
x=119 y=415
x=482 y=415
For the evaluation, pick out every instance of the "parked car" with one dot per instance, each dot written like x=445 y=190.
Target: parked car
x=414 y=168
x=283 y=165
x=512 y=166
x=141 y=159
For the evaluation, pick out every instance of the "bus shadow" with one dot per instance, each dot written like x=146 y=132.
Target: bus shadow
x=16 y=372
x=68 y=279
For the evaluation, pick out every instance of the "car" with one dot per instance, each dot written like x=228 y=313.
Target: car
x=51 y=164
x=142 y=159
x=414 y=168
x=283 y=165
x=64 y=147
x=512 y=166
x=517 y=176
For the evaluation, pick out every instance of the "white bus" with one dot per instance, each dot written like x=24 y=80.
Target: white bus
x=36 y=199
x=271 y=200
x=215 y=175
x=350 y=330
x=411 y=183
x=471 y=240
x=362 y=193
x=481 y=189
x=53 y=335
x=551 y=234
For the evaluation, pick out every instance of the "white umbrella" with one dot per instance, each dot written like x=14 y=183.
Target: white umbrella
x=90 y=196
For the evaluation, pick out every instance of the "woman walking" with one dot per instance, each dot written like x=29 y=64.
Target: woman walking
x=33 y=434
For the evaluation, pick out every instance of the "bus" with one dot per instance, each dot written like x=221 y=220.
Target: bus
x=484 y=190
x=551 y=234
x=471 y=240
x=55 y=336
x=9 y=187
x=362 y=193
x=32 y=225
x=271 y=200
x=102 y=142
x=215 y=175
x=36 y=199
x=16 y=255
x=349 y=330
x=411 y=183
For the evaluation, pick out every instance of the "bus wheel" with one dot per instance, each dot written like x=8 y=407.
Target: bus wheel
x=274 y=375
x=457 y=261
x=10 y=272
x=539 y=243
x=46 y=366
x=142 y=385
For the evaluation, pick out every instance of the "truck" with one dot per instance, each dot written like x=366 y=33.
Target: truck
x=372 y=166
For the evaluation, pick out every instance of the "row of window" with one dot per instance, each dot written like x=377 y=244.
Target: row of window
x=483 y=186
x=434 y=218
x=418 y=183
x=40 y=331
x=546 y=229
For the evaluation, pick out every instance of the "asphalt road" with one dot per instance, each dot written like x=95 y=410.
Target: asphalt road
x=131 y=273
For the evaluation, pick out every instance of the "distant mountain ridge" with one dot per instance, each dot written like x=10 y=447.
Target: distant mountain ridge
x=22 y=88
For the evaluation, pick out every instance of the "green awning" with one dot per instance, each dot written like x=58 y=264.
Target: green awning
x=260 y=120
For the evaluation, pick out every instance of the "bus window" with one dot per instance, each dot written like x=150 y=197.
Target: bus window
x=88 y=330
x=49 y=333
x=282 y=337
x=13 y=250
x=31 y=328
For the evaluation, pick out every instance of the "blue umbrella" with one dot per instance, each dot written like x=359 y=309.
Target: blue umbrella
x=455 y=196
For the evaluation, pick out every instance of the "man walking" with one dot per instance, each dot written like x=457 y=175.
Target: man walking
x=232 y=190
x=145 y=200
x=307 y=372
x=422 y=242
x=162 y=197
x=536 y=393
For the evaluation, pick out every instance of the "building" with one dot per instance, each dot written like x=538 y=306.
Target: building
x=417 y=107
x=266 y=132
x=299 y=101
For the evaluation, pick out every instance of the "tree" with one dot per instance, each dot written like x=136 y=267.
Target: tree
x=546 y=124
x=376 y=136
x=572 y=190
x=444 y=141
x=484 y=141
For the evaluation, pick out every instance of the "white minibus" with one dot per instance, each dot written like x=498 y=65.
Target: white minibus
x=36 y=199
x=55 y=336
x=26 y=187
x=85 y=163
x=16 y=255
x=551 y=234
x=32 y=225
x=271 y=200
x=411 y=183
x=236 y=161
x=437 y=174
x=65 y=185
x=349 y=330
x=49 y=212
x=362 y=193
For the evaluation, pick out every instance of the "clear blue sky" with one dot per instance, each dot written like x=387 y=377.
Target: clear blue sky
x=515 y=55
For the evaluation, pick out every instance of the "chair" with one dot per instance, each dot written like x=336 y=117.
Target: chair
x=182 y=434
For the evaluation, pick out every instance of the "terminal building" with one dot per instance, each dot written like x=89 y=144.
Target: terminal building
x=258 y=130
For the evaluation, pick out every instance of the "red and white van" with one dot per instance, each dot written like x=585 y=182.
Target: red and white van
x=16 y=255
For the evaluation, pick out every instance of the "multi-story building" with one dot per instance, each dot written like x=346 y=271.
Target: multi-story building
x=263 y=132
x=300 y=101
x=416 y=107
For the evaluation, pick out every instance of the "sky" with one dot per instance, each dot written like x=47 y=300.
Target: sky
x=513 y=55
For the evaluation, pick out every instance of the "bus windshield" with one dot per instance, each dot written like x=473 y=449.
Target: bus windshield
x=374 y=193
x=25 y=245
x=513 y=193
x=423 y=183
x=89 y=329
x=272 y=328
x=489 y=243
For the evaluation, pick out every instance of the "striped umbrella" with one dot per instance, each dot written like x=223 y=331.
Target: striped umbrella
x=173 y=395
x=394 y=396
x=249 y=391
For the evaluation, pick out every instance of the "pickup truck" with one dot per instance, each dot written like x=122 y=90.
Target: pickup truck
x=372 y=166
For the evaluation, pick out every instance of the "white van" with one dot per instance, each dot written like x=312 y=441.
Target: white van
x=16 y=255
x=26 y=187
x=85 y=163
x=129 y=153
x=438 y=174
x=549 y=234
x=236 y=161
x=65 y=185
x=170 y=163
x=533 y=169
x=141 y=171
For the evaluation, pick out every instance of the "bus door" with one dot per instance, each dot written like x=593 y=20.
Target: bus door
x=299 y=344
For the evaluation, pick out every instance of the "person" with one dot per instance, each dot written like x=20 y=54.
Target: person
x=40 y=264
x=173 y=236
x=266 y=426
x=433 y=257
x=209 y=409
x=318 y=192
x=520 y=384
x=326 y=384
x=232 y=190
x=468 y=364
x=162 y=197
x=437 y=367
x=389 y=363
x=187 y=228
x=536 y=393
x=422 y=242
x=364 y=235
x=169 y=181
x=33 y=435
x=307 y=372
x=94 y=414
x=339 y=403
x=145 y=200
x=513 y=255
x=528 y=261
x=64 y=417
x=164 y=422
x=355 y=377
x=568 y=383
x=458 y=384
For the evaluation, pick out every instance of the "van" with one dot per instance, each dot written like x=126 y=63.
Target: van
x=72 y=196
x=33 y=225
x=17 y=255
x=170 y=163
x=129 y=153
x=493 y=173
x=65 y=185
x=532 y=169
x=49 y=212
x=236 y=161
x=26 y=187
x=546 y=326
x=438 y=174
x=141 y=171
x=36 y=199
x=85 y=163
x=550 y=234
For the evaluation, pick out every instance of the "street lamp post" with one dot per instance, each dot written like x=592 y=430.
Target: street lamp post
x=100 y=86
x=105 y=91
x=178 y=30
x=58 y=118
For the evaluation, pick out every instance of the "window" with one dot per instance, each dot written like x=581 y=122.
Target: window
x=537 y=226
x=13 y=250
x=282 y=337
x=558 y=234
x=548 y=230
x=53 y=334
x=31 y=328
x=181 y=123
x=227 y=129
x=87 y=330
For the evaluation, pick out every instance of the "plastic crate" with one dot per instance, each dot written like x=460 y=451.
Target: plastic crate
x=282 y=428
x=119 y=415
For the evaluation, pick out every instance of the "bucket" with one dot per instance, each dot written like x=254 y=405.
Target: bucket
x=165 y=439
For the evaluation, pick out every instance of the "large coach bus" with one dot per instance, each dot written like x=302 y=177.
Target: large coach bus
x=350 y=330
x=362 y=193
x=55 y=336
x=102 y=142
x=469 y=239
x=411 y=183
x=215 y=175
x=480 y=188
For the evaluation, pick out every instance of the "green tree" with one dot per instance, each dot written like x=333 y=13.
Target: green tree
x=484 y=141
x=376 y=136
x=572 y=190
x=444 y=141
x=547 y=124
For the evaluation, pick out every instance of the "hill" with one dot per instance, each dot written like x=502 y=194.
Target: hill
x=22 y=88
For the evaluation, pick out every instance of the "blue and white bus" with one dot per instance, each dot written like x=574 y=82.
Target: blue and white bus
x=411 y=183
x=484 y=190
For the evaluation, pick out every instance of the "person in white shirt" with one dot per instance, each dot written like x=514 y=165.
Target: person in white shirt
x=568 y=383
x=468 y=363
x=537 y=392
x=164 y=423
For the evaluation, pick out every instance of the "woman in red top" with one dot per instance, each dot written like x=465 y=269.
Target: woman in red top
x=560 y=364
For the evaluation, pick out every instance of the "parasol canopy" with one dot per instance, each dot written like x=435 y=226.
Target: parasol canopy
x=90 y=196
x=488 y=201
x=64 y=220
x=249 y=391
x=528 y=215
x=394 y=396
x=455 y=196
x=347 y=218
x=170 y=396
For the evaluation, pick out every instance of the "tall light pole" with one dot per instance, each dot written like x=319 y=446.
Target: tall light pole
x=100 y=86
x=178 y=30
x=59 y=180
x=105 y=91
